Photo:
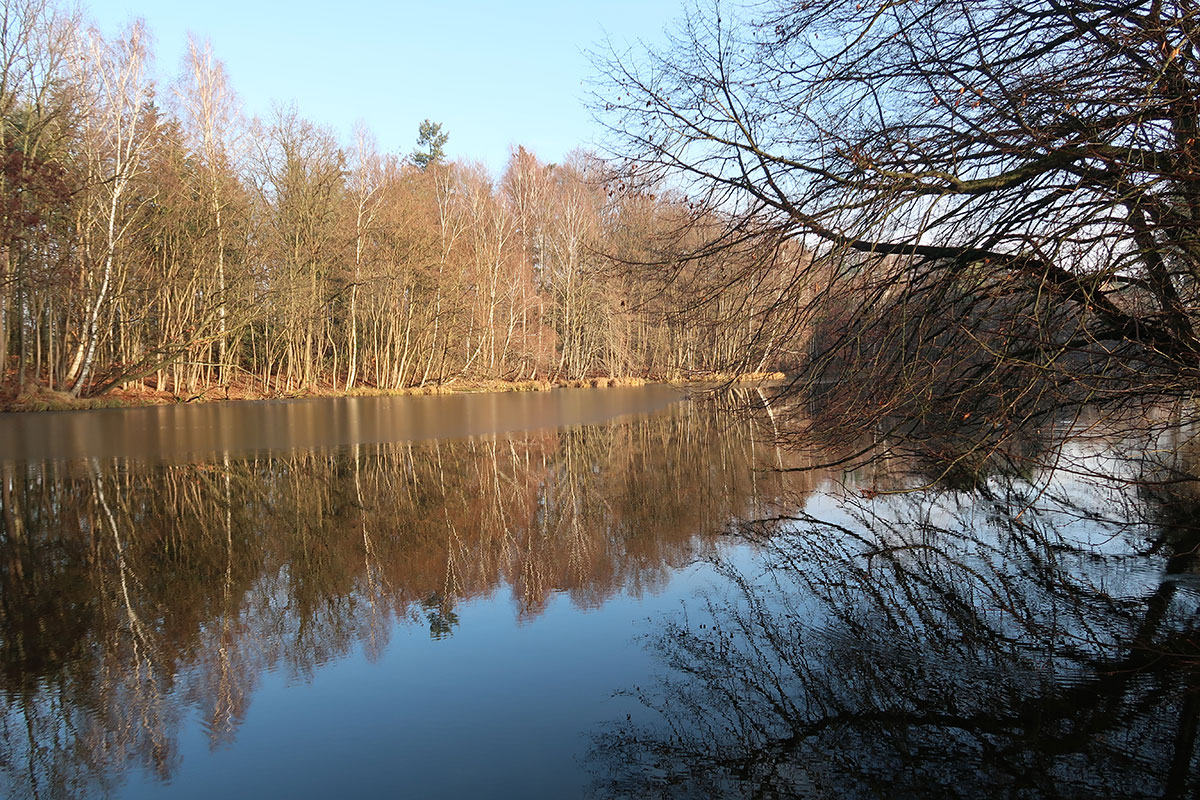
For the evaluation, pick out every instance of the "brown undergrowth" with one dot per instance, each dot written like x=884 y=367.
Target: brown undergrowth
x=35 y=397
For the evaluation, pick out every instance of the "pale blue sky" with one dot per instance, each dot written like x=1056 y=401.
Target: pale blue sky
x=494 y=74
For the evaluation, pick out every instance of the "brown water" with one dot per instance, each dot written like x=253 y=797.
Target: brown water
x=188 y=432
x=563 y=595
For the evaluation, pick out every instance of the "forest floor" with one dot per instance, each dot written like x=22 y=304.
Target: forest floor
x=35 y=397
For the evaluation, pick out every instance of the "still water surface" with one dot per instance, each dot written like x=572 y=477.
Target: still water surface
x=562 y=594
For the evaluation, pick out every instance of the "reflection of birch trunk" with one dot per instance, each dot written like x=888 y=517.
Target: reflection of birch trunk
x=455 y=552
x=372 y=569
x=143 y=677
x=13 y=517
x=502 y=524
x=579 y=543
x=766 y=404
x=452 y=585
x=228 y=699
x=533 y=577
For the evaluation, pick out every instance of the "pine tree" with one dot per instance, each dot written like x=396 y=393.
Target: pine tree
x=430 y=145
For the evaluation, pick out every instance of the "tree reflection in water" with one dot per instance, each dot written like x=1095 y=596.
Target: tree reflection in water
x=1009 y=631
x=1023 y=635
x=135 y=595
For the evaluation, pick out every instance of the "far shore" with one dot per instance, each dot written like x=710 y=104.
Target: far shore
x=40 y=398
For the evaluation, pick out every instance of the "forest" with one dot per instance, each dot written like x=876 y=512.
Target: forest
x=154 y=239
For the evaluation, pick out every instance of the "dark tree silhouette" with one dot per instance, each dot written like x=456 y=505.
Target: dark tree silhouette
x=999 y=199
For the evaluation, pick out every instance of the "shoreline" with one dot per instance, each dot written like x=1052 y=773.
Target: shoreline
x=38 y=398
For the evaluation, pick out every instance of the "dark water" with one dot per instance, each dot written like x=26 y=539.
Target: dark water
x=610 y=593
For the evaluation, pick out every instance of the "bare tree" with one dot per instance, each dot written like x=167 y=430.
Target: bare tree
x=999 y=197
x=115 y=135
x=211 y=111
x=366 y=191
x=36 y=96
x=572 y=223
x=301 y=174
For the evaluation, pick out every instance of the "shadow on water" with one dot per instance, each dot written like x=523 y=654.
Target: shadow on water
x=1004 y=631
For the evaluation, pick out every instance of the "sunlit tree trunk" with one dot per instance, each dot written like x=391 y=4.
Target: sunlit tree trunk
x=211 y=107
x=115 y=139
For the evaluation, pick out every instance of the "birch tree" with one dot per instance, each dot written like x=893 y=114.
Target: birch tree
x=114 y=135
x=212 y=120
x=366 y=191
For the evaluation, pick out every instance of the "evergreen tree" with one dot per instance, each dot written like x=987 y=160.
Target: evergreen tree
x=430 y=145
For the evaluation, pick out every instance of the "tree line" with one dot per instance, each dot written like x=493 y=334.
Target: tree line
x=152 y=235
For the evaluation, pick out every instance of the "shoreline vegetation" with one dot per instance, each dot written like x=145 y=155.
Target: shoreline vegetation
x=34 y=398
x=152 y=234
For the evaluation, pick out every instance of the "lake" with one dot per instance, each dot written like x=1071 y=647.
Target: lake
x=616 y=592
